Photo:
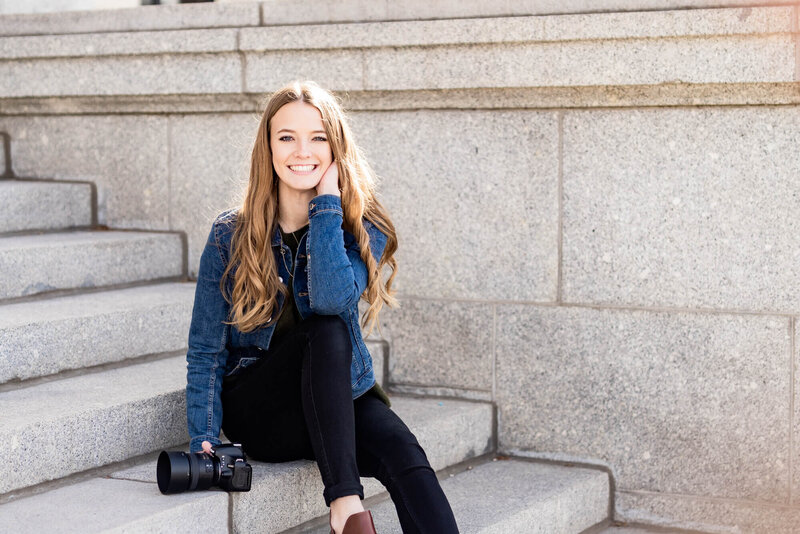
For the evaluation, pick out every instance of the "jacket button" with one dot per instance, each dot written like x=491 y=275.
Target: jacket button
x=280 y=279
x=312 y=206
x=302 y=294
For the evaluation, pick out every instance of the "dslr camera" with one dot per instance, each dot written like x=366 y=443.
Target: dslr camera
x=226 y=467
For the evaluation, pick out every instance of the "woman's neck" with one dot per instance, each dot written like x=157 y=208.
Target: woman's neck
x=293 y=207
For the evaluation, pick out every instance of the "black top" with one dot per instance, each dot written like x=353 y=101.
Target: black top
x=290 y=316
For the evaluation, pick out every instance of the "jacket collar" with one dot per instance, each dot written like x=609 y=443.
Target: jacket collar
x=276 y=237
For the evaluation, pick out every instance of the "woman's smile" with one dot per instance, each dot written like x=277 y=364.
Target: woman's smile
x=303 y=169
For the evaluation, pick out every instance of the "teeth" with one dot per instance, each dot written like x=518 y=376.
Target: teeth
x=301 y=168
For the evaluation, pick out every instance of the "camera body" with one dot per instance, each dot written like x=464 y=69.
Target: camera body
x=226 y=467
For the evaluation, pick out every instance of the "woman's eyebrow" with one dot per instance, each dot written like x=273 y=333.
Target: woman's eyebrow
x=292 y=131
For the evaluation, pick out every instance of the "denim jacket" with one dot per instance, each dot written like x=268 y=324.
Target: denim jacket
x=329 y=284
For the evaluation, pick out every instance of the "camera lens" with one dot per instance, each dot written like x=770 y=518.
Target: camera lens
x=180 y=471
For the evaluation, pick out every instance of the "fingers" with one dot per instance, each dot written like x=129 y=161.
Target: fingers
x=206 y=447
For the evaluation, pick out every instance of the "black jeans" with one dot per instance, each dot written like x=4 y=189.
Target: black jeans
x=296 y=402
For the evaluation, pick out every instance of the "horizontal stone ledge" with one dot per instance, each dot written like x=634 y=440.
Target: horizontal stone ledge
x=691 y=60
x=472 y=31
x=206 y=15
x=680 y=94
x=528 y=29
x=276 y=12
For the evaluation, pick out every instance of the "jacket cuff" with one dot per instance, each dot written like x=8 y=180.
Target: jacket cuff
x=322 y=203
x=196 y=445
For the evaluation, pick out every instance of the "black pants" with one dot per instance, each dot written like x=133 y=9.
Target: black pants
x=296 y=402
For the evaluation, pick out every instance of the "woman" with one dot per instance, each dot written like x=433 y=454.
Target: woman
x=276 y=355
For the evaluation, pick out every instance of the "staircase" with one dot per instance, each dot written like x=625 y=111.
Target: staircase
x=93 y=329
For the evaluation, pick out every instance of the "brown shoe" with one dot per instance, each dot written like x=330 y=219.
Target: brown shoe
x=360 y=523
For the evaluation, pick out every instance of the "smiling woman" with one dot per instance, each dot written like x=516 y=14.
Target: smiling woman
x=276 y=354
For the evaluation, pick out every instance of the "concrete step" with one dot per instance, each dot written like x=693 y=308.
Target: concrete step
x=35 y=263
x=282 y=495
x=109 y=505
x=44 y=337
x=450 y=431
x=607 y=49
x=38 y=205
x=66 y=426
x=506 y=496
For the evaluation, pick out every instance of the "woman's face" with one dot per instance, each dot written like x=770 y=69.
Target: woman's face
x=300 y=149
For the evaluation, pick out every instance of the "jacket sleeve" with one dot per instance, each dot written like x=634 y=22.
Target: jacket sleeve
x=207 y=353
x=337 y=276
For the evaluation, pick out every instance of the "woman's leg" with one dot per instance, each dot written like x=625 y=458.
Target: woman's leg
x=387 y=450
x=328 y=405
x=262 y=407
x=297 y=403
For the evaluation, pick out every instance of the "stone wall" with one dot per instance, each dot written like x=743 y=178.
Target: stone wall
x=596 y=213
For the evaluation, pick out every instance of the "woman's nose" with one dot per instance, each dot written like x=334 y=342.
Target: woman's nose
x=303 y=148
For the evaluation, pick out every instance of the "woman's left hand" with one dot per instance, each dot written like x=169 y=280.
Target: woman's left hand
x=329 y=183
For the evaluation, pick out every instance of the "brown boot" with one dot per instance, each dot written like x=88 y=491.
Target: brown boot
x=360 y=523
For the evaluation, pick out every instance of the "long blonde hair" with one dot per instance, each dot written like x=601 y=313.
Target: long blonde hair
x=255 y=279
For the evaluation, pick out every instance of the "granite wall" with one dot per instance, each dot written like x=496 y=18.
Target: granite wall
x=612 y=259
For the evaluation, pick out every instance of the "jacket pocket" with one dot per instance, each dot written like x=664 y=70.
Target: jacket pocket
x=242 y=364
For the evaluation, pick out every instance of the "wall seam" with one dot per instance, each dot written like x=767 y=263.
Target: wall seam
x=560 y=201
x=601 y=306
x=792 y=373
x=169 y=171
x=242 y=63
x=494 y=353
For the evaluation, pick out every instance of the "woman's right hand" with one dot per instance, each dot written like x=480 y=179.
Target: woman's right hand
x=206 y=447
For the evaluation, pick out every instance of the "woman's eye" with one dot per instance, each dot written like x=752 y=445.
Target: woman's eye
x=321 y=138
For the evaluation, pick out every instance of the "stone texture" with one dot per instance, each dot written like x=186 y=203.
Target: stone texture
x=97 y=418
x=310 y=11
x=209 y=168
x=102 y=505
x=794 y=490
x=577 y=63
x=441 y=343
x=27 y=205
x=674 y=23
x=516 y=496
x=336 y=70
x=123 y=43
x=630 y=530
x=122 y=75
x=47 y=336
x=85 y=259
x=291 y=492
x=679 y=23
x=378 y=351
x=137 y=19
x=126 y=157
x=682 y=208
x=684 y=403
x=706 y=514
x=477 y=217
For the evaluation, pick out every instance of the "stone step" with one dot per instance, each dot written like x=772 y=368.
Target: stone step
x=606 y=49
x=37 y=205
x=57 y=428
x=48 y=336
x=35 y=263
x=282 y=494
x=505 y=496
x=109 y=505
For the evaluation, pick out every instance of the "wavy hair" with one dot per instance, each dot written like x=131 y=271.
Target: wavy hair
x=255 y=286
